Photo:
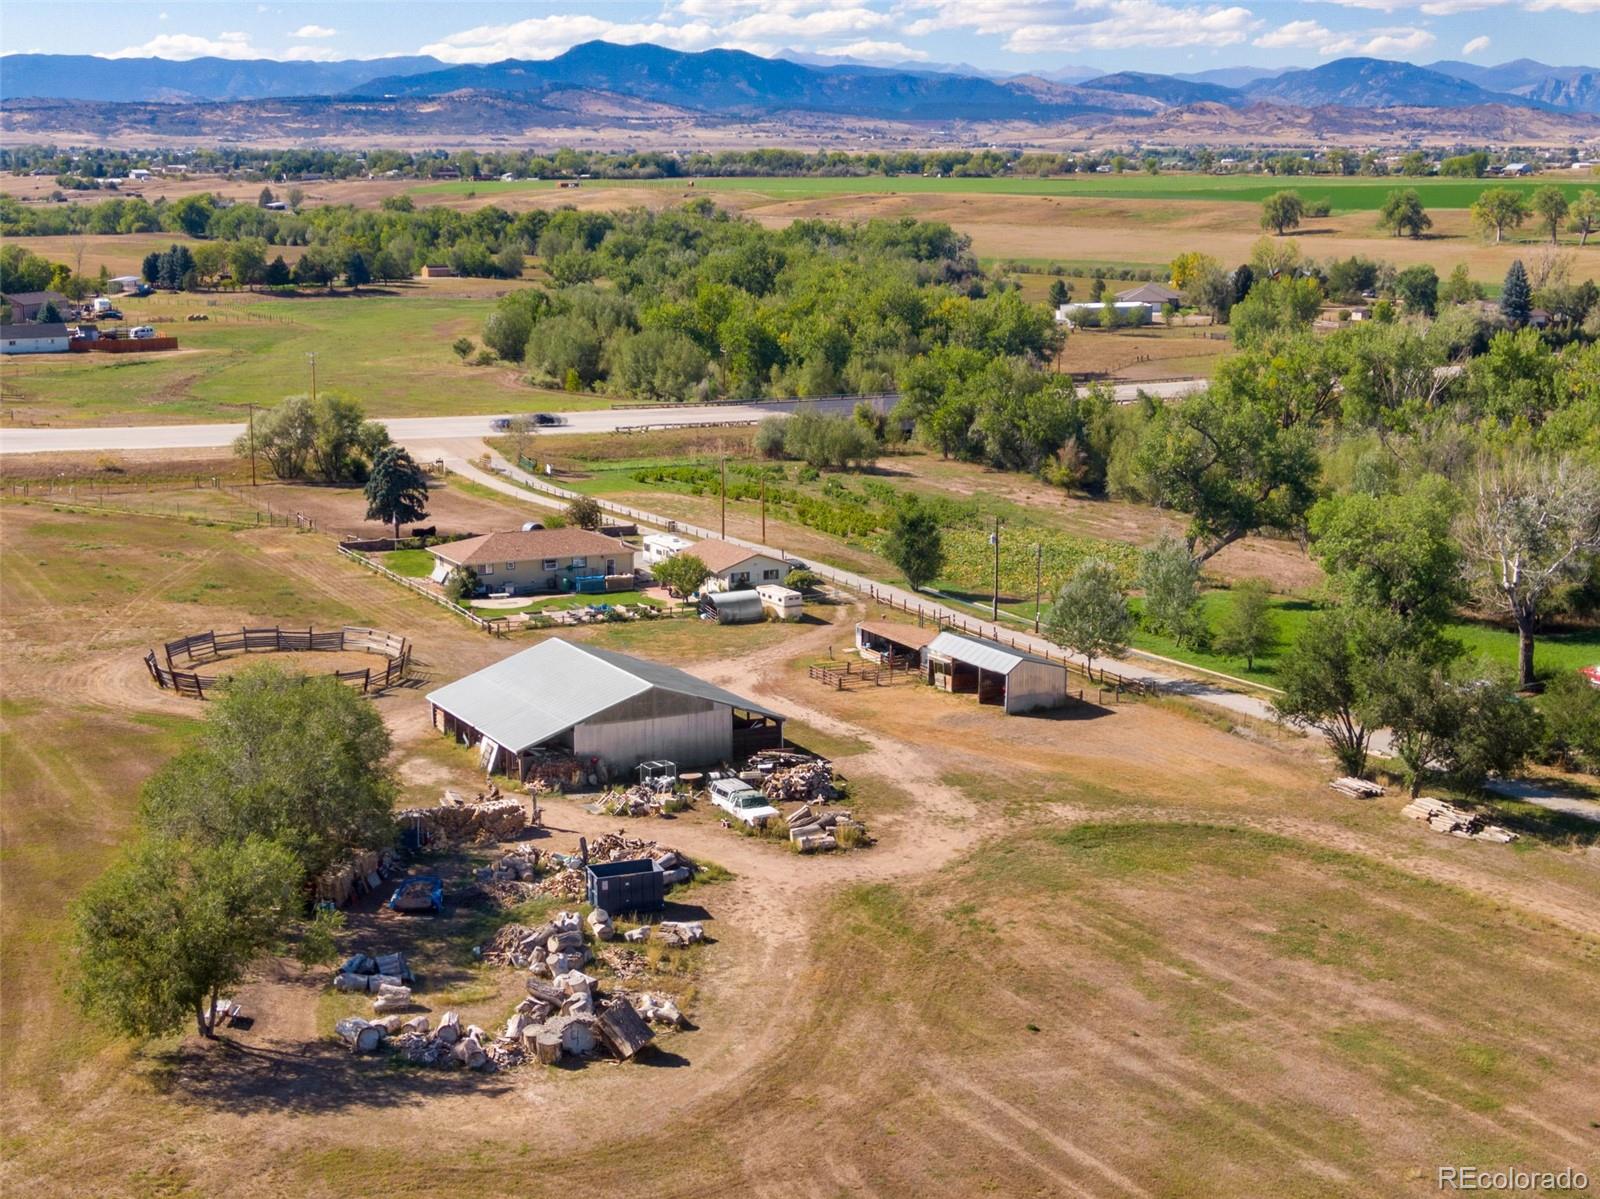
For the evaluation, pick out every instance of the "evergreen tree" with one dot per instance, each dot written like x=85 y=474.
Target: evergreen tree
x=397 y=489
x=277 y=273
x=1515 y=297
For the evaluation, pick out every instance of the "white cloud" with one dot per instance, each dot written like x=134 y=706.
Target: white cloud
x=1476 y=46
x=189 y=45
x=1385 y=43
x=310 y=54
x=161 y=16
x=870 y=51
x=1565 y=5
x=307 y=31
x=1296 y=35
x=545 y=37
x=1123 y=24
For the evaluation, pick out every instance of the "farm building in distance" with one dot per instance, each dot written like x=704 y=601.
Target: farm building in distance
x=35 y=339
x=436 y=270
x=1012 y=678
x=534 y=560
x=599 y=707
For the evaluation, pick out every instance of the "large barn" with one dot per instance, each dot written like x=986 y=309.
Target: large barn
x=599 y=707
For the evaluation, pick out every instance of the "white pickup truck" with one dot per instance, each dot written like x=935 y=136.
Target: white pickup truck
x=742 y=801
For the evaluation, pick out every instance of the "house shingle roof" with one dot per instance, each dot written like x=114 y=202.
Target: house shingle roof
x=518 y=546
x=32 y=332
x=720 y=555
x=1149 y=293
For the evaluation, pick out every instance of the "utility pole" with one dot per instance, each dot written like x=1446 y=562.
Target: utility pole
x=312 y=356
x=994 y=540
x=1038 y=583
x=251 y=408
x=724 y=497
x=763 y=510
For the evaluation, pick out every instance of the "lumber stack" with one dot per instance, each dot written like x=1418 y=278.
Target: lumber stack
x=1446 y=818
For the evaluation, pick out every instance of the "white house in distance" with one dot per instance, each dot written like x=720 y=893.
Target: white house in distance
x=736 y=567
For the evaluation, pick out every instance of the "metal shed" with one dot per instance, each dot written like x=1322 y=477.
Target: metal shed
x=893 y=642
x=601 y=708
x=997 y=674
x=733 y=607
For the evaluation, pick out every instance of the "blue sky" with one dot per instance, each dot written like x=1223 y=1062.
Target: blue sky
x=998 y=35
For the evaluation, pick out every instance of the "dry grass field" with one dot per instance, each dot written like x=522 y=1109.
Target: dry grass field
x=1115 y=952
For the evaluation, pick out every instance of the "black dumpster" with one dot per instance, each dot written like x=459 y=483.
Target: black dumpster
x=637 y=885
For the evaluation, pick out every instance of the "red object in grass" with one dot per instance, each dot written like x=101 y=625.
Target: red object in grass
x=1592 y=673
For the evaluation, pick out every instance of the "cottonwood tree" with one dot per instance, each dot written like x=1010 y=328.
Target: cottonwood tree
x=1331 y=677
x=1241 y=455
x=1551 y=206
x=1584 y=217
x=1396 y=552
x=1498 y=209
x=914 y=544
x=397 y=489
x=1402 y=213
x=1532 y=522
x=299 y=760
x=585 y=512
x=283 y=435
x=1090 y=615
x=162 y=933
x=1282 y=211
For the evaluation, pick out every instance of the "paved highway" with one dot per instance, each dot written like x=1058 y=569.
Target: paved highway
x=415 y=430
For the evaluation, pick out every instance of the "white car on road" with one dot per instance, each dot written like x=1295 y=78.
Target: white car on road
x=742 y=801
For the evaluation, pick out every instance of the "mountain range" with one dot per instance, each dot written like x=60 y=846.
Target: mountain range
x=732 y=84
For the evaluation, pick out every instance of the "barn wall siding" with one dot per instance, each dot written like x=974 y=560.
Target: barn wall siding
x=1035 y=685
x=696 y=738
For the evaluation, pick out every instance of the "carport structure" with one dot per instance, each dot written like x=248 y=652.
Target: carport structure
x=1010 y=678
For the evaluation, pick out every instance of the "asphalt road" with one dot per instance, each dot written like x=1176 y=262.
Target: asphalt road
x=413 y=431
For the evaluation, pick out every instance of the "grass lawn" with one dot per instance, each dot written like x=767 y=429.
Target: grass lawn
x=1347 y=194
x=413 y=564
x=391 y=352
x=555 y=603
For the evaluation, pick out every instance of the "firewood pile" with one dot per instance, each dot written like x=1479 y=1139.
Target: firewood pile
x=619 y=847
x=637 y=800
x=1447 y=818
x=811 y=831
x=460 y=823
x=386 y=977
x=362 y=872
x=810 y=782
x=550 y=770
x=1356 y=788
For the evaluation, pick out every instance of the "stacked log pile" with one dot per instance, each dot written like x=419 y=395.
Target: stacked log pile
x=1357 y=788
x=492 y=820
x=811 y=831
x=1447 y=818
x=362 y=872
x=809 y=782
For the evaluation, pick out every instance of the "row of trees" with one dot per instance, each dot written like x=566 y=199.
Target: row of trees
x=286 y=777
x=1496 y=210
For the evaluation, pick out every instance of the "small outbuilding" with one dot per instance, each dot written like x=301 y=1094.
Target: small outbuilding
x=1010 y=678
x=893 y=643
x=732 y=607
x=604 y=709
x=437 y=270
x=658 y=547
x=780 y=602
x=35 y=339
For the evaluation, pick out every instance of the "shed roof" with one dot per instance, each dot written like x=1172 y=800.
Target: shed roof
x=1149 y=293
x=33 y=332
x=901 y=634
x=721 y=555
x=530 y=697
x=737 y=600
x=989 y=655
x=527 y=545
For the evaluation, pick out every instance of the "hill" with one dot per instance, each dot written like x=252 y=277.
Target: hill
x=1375 y=83
x=1169 y=89
x=87 y=77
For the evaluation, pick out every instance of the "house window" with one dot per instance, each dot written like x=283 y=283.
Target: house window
x=486 y=569
x=579 y=563
x=551 y=564
x=769 y=574
x=741 y=576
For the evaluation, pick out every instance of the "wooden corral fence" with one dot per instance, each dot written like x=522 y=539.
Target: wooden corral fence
x=200 y=649
x=851 y=675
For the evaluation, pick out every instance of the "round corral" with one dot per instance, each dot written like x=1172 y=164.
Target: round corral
x=178 y=664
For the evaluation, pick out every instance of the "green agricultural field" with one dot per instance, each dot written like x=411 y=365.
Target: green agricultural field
x=1347 y=194
x=391 y=352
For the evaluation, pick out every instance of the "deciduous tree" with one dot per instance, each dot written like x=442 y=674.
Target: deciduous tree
x=1551 y=206
x=914 y=544
x=681 y=574
x=1498 y=209
x=1282 y=211
x=1402 y=213
x=1248 y=628
x=1090 y=615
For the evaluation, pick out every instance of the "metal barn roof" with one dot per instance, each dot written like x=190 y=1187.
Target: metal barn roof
x=530 y=697
x=987 y=655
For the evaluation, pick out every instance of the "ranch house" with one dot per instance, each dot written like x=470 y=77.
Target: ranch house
x=536 y=560
x=736 y=567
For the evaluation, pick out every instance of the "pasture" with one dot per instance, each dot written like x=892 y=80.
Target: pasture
x=1117 y=952
x=388 y=348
